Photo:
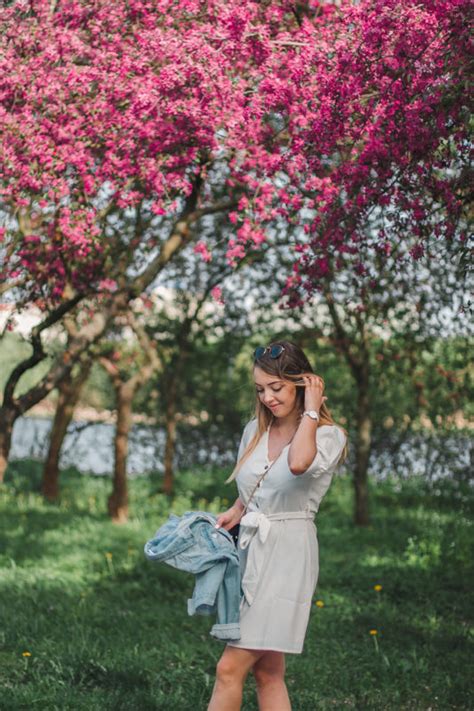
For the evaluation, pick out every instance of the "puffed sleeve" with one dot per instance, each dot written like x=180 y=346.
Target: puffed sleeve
x=330 y=441
x=247 y=435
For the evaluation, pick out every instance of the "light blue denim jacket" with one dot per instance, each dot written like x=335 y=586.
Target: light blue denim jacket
x=190 y=542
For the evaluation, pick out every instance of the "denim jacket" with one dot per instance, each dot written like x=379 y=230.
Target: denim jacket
x=190 y=542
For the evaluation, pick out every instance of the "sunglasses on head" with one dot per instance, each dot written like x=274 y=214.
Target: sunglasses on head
x=274 y=351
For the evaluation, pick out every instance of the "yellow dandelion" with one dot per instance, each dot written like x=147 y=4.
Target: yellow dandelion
x=373 y=632
x=108 y=555
x=319 y=603
x=377 y=587
x=26 y=654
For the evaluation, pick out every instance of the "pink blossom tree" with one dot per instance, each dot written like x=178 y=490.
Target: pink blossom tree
x=110 y=121
x=124 y=124
x=365 y=123
x=323 y=113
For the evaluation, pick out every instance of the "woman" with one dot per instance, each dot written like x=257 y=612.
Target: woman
x=294 y=438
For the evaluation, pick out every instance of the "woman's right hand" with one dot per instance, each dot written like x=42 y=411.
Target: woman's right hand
x=229 y=518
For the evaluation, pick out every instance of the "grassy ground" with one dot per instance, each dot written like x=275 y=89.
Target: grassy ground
x=86 y=623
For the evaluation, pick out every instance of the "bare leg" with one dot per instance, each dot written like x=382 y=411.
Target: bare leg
x=231 y=672
x=269 y=672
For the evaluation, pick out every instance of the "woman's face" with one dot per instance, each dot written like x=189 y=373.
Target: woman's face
x=277 y=395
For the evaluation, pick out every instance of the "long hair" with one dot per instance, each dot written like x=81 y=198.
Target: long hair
x=290 y=366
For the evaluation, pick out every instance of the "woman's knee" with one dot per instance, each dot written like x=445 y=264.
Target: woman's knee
x=233 y=667
x=269 y=668
x=226 y=669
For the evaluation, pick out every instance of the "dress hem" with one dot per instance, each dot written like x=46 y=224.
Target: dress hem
x=265 y=649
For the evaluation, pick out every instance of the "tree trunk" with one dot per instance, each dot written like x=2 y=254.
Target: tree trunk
x=170 y=447
x=7 y=420
x=124 y=393
x=354 y=346
x=69 y=391
x=363 y=444
x=118 y=500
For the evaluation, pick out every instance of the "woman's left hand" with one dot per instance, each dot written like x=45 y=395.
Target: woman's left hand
x=313 y=392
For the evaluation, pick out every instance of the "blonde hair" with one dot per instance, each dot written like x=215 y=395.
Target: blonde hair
x=290 y=367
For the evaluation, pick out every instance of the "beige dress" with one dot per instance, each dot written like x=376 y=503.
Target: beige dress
x=278 y=545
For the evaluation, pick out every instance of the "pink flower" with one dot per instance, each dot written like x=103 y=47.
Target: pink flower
x=417 y=251
x=216 y=294
x=234 y=253
x=258 y=237
x=201 y=248
x=108 y=285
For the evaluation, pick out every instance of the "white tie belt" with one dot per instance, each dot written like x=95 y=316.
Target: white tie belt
x=256 y=523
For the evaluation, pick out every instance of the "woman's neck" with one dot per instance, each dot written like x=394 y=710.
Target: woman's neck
x=289 y=423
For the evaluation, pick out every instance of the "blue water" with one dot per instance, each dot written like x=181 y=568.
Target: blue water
x=88 y=446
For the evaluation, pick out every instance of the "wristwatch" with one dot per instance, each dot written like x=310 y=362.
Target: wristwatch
x=312 y=413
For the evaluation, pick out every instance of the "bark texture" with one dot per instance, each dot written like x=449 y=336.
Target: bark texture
x=69 y=392
x=7 y=420
x=353 y=344
x=170 y=427
x=362 y=452
x=117 y=503
x=125 y=389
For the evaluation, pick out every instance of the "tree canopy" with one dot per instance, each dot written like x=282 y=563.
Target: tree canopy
x=331 y=117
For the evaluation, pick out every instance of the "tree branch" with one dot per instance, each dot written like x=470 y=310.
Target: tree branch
x=38 y=351
x=341 y=333
x=180 y=235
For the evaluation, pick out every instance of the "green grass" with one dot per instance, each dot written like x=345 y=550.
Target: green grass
x=107 y=629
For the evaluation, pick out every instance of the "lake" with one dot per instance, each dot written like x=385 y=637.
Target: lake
x=88 y=446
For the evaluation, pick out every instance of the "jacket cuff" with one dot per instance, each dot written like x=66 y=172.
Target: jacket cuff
x=226 y=631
